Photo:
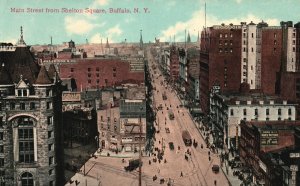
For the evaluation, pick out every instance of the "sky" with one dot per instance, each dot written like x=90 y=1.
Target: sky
x=162 y=19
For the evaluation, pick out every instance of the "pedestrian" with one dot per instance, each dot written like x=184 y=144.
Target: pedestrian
x=209 y=158
x=215 y=182
x=181 y=174
x=158 y=170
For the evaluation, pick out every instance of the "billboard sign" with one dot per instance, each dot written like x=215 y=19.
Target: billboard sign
x=269 y=137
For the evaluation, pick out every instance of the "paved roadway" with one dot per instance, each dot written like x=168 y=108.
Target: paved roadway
x=196 y=171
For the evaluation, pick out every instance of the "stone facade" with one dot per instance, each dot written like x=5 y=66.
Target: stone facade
x=30 y=116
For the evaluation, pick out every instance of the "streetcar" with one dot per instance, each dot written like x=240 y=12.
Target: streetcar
x=171 y=114
x=186 y=138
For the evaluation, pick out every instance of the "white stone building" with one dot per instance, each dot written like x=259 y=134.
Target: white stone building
x=228 y=110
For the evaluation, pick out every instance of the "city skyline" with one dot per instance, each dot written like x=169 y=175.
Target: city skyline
x=157 y=18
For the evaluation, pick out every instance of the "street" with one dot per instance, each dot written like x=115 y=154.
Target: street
x=182 y=166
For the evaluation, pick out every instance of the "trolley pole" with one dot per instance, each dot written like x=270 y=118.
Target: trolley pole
x=140 y=153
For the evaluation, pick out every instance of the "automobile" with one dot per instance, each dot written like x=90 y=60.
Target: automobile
x=133 y=164
x=167 y=130
x=215 y=168
x=171 y=145
x=160 y=107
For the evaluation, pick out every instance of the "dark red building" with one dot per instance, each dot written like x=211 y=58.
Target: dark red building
x=260 y=138
x=99 y=73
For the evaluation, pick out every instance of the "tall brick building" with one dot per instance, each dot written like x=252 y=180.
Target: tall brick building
x=98 y=73
x=251 y=53
x=30 y=120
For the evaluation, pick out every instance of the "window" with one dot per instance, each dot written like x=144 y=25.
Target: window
x=221 y=35
x=50 y=172
x=51 y=183
x=50 y=147
x=231 y=112
x=89 y=81
x=49 y=105
x=97 y=81
x=49 y=134
x=251 y=82
x=89 y=75
x=1 y=149
x=51 y=160
x=225 y=69
x=26 y=146
x=97 y=69
x=274 y=49
x=230 y=42
x=267 y=119
x=267 y=111
x=251 y=49
x=114 y=69
x=230 y=50
x=275 y=42
x=231 y=35
x=245 y=112
x=12 y=106
x=225 y=43
x=48 y=92
x=220 y=50
x=256 y=112
x=50 y=120
x=115 y=128
x=0 y=106
x=279 y=119
x=97 y=75
x=27 y=179
x=244 y=59
x=1 y=135
x=72 y=69
x=244 y=49
x=1 y=122
x=22 y=106
x=290 y=111
x=294 y=49
x=24 y=92
x=89 y=69
x=244 y=67
x=294 y=42
x=101 y=117
x=106 y=81
x=114 y=74
x=225 y=35
x=275 y=35
x=244 y=42
x=32 y=106
x=1 y=162
x=279 y=111
x=244 y=34
x=252 y=35
x=290 y=119
x=220 y=42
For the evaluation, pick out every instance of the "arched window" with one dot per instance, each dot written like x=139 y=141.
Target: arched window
x=27 y=179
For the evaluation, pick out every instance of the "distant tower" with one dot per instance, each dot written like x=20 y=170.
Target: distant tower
x=141 y=40
x=188 y=38
x=107 y=44
x=198 y=38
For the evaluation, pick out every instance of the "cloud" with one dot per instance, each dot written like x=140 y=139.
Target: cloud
x=197 y=22
x=102 y=2
x=96 y=38
x=112 y=34
x=238 y=1
x=77 y=26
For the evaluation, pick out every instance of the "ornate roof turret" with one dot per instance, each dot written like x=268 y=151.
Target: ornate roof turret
x=43 y=77
x=21 y=41
x=53 y=73
x=21 y=84
x=107 y=44
x=5 y=78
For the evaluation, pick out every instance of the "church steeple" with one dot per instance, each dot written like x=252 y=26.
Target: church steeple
x=141 y=39
x=198 y=38
x=21 y=41
x=107 y=44
x=188 y=38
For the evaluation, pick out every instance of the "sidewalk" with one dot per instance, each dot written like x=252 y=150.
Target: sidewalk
x=108 y=153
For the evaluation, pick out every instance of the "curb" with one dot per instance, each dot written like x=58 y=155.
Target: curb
x=226 y=176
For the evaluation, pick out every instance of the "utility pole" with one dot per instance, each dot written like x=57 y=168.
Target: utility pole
x=140 y=151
